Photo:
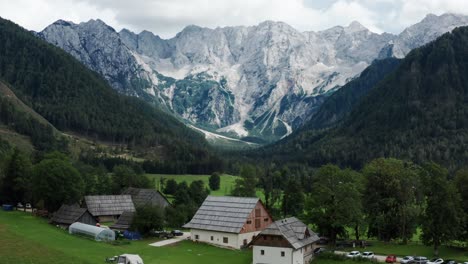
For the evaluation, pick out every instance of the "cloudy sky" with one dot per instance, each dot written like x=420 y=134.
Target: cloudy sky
x=167 y=17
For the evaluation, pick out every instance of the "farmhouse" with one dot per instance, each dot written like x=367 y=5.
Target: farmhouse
x=69 y=214
x=142 y=197
x=229 y=221
x=108 y=207
x=287 y=241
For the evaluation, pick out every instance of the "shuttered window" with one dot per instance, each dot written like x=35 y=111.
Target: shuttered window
x=257 y=223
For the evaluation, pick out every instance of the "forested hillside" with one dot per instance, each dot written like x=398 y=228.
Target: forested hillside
x=73 y=98
x=419 y=113
x=340 y=103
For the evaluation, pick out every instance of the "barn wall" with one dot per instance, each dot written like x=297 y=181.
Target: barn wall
x=87 y=218
x=259 y=213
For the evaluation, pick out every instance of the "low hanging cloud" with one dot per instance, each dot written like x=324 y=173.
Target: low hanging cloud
x=167 y=17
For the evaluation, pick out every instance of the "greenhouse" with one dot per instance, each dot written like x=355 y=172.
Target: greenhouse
x=98 y=233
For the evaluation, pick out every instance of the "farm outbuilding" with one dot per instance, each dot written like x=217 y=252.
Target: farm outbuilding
x=124 y=222
x=69 y=214
x=98 y=233
x=109 y=207
x=151 y=197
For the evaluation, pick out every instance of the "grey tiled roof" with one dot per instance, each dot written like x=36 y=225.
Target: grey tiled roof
x=109 y=204
x=143 y=197
x=223 y=213
x=125 y=220
x=68 y=214
x=293 y=230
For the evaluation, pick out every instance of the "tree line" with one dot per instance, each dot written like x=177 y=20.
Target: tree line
x=389 y=199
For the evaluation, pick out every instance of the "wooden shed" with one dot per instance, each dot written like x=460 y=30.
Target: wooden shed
x=69 y=214
x=108 y=207
x=142 y=197
x=124 y=222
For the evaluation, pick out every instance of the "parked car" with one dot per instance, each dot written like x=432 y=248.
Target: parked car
x=353 y=254
x=28 y=206
x=436 y=261
x=450 y=261
x=319 y=250
x=420 y=260
x=19 y=205
x=162 y=234
x=391 y=259
x=177 y=233
x=407 y=260
x=368 y=254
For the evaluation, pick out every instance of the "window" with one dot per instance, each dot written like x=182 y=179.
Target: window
x=264 y=237
x=225 y=240
x=245 y=242
x=249 y=222
x=257 y=223
x=211 y=238
x=258 y=213
x=265 y=219
x=262 y=252
x=282 y=253
x=196 y=236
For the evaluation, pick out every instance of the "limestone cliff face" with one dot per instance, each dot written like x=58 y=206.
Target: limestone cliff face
x=259 y=81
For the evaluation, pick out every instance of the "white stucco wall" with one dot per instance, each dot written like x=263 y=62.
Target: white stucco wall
x=298 y=256
x=234 y=240
x=273 y=255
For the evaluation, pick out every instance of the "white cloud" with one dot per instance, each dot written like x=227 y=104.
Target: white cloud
x=167 y=17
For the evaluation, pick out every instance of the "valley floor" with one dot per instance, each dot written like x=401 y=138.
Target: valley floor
x=28 y=239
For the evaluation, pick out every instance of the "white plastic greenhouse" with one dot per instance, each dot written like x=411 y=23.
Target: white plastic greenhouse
x=98 y=233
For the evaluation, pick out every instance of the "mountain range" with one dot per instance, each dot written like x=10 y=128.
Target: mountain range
x=417 y=111
x=257 y=83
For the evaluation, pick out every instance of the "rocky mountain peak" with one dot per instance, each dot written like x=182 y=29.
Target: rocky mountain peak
x=259 y=81
x=355 y=26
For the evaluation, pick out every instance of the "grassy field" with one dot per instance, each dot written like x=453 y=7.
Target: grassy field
x=27 y=239
x=226 y=186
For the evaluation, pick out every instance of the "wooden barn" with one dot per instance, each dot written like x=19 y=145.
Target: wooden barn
x=124 y=222
x=286 y=241
x=69 y=214
x=229 y=221
x=142 y=197
x=108 y=207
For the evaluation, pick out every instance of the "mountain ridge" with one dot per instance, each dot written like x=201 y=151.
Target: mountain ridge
x=417 y=112
x=262 y=81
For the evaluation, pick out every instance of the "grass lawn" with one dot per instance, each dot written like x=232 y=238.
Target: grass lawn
x=226 y=185
x=28 y=239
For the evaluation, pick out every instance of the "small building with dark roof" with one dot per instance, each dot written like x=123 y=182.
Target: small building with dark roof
x=124 y=222
x=229 y=221
x=108 y=207
x=69 y=214
x=142 y=197
x=286 y=241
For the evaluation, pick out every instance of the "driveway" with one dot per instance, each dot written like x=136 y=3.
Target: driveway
x=174 y=240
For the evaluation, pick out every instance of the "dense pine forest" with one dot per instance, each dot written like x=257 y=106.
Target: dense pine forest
x=75 y=99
